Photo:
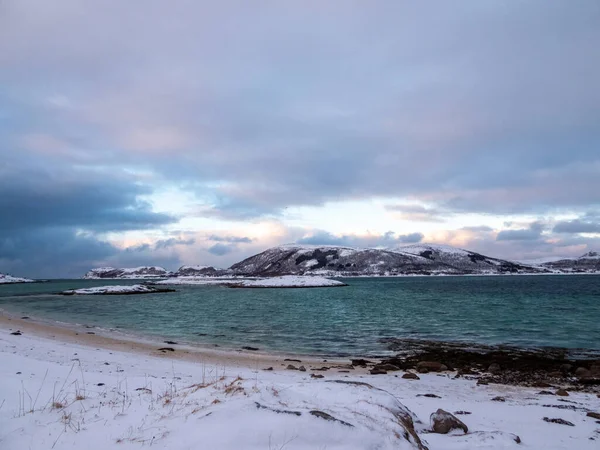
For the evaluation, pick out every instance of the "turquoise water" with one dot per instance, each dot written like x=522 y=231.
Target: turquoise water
x=524 y=311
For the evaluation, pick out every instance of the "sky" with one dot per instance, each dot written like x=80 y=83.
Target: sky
x=201 y=132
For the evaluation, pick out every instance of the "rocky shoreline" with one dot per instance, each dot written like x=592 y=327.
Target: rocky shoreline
x=541 y=368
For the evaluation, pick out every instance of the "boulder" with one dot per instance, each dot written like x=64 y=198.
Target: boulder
x=443 y=422
x=431 y=366
x=410 y=376
x=377 y=371
x=593 y=415
x=582 y=372
x=566 y=368
x=387 y=367
x=494 y=369
x=562 y=393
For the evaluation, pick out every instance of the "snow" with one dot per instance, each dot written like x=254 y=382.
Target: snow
x=142 y=272
x=289 y=281
x=416 y=249
x=9 y=279
x=112 y=290
x=62 y=395
x=286 y=281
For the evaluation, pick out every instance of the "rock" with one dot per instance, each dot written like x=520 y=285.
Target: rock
x=252 y=349
x=410 y=376
x=582 y=372
x=428 y=395
x=463 y=413
x=541 y=384
x=16 y=333
x=292 y=360
x=498 y=399
x=325 y=416
x=376 y=371
x=555 y=374
x=314 y=375
x=422 y=370
x=566 y=368
x=562 y=393
x=545 y=393
x=291 y=367
x=360 y=362
x=482 y=382
x=100 y=384
x=559 y=421
x=166 y=349
x=387 y=367
x=494 y=369
x=170 y=342
x=443 y=422
x=302 y=369
x=431 y=366
x=269 y=368
x=593 y=415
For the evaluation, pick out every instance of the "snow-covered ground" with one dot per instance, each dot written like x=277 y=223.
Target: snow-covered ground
x=113 y=290
x=9 y=279
x=133 y=273
x=286 y=281
x=290 y=281
x=60 y=395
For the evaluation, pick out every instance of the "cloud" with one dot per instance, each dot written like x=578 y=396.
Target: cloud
x=576 y=226
x=389 y=239
x=221 y=249
x=418 y=213
x=532 y=233
x=230 y=239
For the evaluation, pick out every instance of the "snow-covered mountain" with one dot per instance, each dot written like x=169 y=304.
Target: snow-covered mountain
x=346 y=261
x=465 y=260
x=9 y=279
x=198 y=271
x=127 y=273
x=587 y=263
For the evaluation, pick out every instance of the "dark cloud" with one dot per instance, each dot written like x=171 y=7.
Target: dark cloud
x=577 y=226
x=532 y=233
x=221 y=249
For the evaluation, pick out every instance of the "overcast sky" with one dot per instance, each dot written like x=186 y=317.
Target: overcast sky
x=199 y=132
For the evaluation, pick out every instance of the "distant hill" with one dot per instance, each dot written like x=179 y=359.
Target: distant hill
x=127 y=273
x=588 y=263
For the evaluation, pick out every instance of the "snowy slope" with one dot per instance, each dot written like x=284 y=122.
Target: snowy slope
x=59 y=396
x=465 y=260
x=9 y=279
x=198 y=271
x=587 y=263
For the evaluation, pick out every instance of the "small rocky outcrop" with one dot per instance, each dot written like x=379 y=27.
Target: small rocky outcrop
x=431 y=366
x=443 y=422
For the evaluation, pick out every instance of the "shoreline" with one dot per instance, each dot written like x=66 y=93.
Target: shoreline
x=89 y=337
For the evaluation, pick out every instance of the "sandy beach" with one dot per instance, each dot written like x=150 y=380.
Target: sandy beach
x=63 y=388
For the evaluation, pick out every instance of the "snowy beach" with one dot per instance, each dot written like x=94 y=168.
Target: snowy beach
x=65 y=388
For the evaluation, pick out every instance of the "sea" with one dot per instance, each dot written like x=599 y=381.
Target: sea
x=537 y=311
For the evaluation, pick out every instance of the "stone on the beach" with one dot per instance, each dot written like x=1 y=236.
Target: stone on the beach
x=291 y=367
x=494 y=369
x=431 y=366
x=377 y=371
x=360 y=362
x=566 y=368
x=593 y=415
x=562 y=393
x=410 y=376
x=442 y=422
x=387 y=367
x=582 y=372
x=302 y=369
x=314 y=375
x=498 y=399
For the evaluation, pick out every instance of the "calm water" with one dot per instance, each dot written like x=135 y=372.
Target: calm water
x=526 y=311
